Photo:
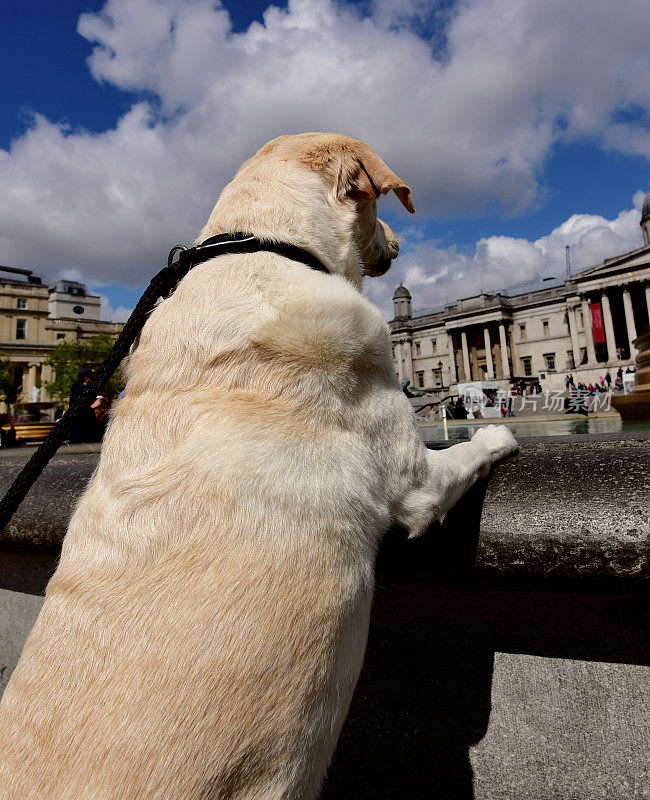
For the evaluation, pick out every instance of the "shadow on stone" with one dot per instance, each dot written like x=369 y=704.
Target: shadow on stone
x=416 y=712
x=425 y=698
x=424 y=695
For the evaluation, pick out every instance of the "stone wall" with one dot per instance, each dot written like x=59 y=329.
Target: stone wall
x=508 y=651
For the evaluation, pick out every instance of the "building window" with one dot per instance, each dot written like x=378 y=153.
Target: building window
x=437 y=377
x=420 y=379
x=434 y=345
x=60 y=336
x=21 y=325
x=581 y=322
x=527 y=364
x=522 y=331
x=545 y=327
x=549 y=360
x=21 y=302
x=570 y=362
x=417 y=348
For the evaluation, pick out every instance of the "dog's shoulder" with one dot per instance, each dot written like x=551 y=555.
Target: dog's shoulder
x=329 y=325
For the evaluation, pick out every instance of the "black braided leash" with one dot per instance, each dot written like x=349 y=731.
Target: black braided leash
x=161 y=285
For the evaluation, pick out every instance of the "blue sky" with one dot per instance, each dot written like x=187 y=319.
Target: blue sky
x=522 y=126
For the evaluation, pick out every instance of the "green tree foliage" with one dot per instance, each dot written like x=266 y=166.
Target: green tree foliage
x=67 y=358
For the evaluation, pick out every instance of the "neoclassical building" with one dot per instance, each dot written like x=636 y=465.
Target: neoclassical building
x=585 y=325
x=34 y=317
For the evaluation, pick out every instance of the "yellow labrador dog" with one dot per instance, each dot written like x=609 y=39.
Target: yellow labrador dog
x=204 y=631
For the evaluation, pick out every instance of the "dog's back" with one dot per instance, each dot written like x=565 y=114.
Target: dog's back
x=203 y=633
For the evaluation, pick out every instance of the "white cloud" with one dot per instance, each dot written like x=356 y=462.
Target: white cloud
x=436 y=275
x=110 y=314
x=467 y=115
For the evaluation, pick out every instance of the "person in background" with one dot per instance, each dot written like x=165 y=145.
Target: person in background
x=85 y=425
x=101 y=407
x=8 y=437
x=608 y=380
x=460 y=412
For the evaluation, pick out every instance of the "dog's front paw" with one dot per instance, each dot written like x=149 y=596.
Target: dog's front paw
x=498 y=439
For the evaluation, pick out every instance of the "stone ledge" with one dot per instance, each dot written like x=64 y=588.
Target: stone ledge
x=564 y=506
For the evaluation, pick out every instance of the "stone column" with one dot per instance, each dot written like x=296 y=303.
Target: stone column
x=488 y=354
x=629 y=320
x=573 y=330
x=398 y=356
x=46 y=375
x=589 y=334
x=453 y=374
x=466 y=367
x=29 y=382
x=504 y=351
x=609 y=326
x=647 y=298
x=34 y=383
x=408 y=360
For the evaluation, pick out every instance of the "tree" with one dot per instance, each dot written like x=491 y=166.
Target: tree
x=68 y=358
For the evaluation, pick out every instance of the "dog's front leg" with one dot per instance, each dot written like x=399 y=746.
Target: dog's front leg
x=449 y=473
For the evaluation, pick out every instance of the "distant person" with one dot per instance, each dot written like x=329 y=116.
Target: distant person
x=460 y=412
x=101 y=407
x=8 y=437
x=84 y=427
x=576 y=403
x=608 y=380
x=619 y=374
x=82 y=379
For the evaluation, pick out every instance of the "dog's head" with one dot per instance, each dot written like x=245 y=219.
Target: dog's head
x=357 y=177
x=320 y=191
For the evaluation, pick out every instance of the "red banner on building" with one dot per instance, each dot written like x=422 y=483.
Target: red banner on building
x=597 y=323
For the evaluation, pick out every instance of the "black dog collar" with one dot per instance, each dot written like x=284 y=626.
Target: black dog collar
x=240 y=243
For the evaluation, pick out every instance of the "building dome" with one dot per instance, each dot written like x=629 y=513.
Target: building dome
x=402 y=291
x=645 y=220
x=645 y=209
x=402 y=303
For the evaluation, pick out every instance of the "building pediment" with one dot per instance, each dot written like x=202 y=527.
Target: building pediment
x=624 y=265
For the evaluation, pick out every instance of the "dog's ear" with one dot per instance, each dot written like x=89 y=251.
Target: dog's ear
x=364 y=176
